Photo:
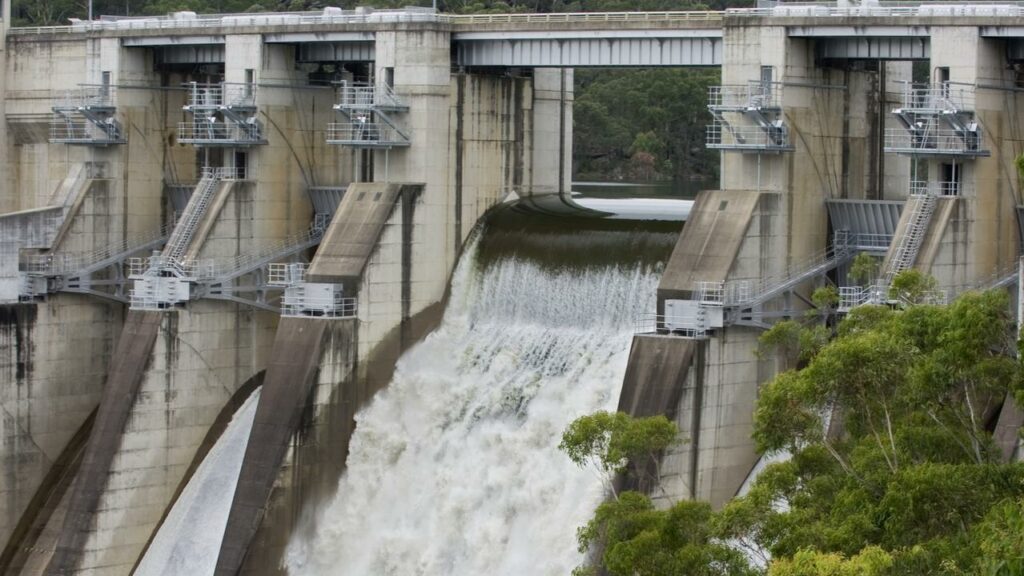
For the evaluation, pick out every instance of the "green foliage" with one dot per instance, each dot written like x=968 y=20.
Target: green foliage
x=642 y=124
x=871 y=561
x=610 y=441
x=914 y=472
x=791 y=342
x=891 y=469
x=912 y=287
x=639 y=540
x=863 y=269
x=1000 y=538
x=825 y=298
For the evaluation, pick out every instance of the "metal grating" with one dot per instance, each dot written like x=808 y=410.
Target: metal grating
x=874 y=48
x=582 y=52
x=869 y=224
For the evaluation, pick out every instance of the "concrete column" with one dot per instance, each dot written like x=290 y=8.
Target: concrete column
x=551 y=136
x=981 y=236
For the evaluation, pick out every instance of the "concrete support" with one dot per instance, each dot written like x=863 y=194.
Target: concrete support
x=660 y=374
x=551 y=132
x=126 y=373
x=291 y=374
x=981 y=236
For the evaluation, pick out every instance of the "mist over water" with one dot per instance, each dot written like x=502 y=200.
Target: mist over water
x=189 y=538
x=454 y=468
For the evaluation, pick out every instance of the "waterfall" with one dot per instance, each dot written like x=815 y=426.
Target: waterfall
x=454 y=468
x=189 y=538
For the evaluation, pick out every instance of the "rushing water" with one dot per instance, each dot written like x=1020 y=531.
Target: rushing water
x=189 y=539
x=454 y=468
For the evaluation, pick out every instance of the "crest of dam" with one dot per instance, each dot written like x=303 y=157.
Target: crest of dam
x=454 y=468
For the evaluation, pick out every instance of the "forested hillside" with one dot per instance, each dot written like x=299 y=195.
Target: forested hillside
x=636 y=125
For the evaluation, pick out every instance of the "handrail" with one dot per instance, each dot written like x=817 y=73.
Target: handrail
x=334 y=17
x=74 y=263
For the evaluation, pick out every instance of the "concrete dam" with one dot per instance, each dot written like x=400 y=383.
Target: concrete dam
x=284 y=293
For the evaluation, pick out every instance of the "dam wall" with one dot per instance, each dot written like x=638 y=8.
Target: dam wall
x=472 y=143
x=420 y=123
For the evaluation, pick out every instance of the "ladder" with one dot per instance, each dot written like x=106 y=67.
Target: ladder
x=182 y=235
x=908 y=244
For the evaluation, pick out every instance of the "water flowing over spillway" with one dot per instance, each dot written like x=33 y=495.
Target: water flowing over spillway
x=189 y=538
x=454 y=468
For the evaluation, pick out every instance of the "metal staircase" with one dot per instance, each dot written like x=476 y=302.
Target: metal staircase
x=747 y=118
x=86 y=117
x=194 y=211
x=936 y=120
x=162 y=282
x=369 y=125
x=908 y=242
x=223 y=114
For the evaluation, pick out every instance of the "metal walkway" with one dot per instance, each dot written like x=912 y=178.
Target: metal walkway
x=719 y=304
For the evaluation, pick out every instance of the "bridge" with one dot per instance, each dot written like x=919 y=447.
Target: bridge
x=624 y=39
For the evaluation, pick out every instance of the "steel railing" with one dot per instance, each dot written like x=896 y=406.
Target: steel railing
x=748 y=137
x=362 y=17
x=220 y=94
x=866 y=241
x=67 y=264
x=222 y=269
x=935 y=141
x=852 y=296
x=334 y=17
x=684 y=326
x=945 y=97
x=86 y=96
x=921 y=187
x=365 y=133
x=755 y=94
x=361 y=96
x=752 y=292
x=286 y=273
x=201 y=131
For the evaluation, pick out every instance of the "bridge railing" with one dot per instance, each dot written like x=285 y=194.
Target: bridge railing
x=333 y=17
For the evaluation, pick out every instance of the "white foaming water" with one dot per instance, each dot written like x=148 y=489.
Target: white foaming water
x=189 y=539
x=454 y=468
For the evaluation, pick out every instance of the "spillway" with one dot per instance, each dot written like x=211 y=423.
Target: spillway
x=189 y=538
x=454 y=468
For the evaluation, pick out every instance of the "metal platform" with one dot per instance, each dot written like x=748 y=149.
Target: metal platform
x=369 y=126
x=936 y=142
x=224 y=114
x=752 y=139
x=354 y=97
x=86 y=117
x=365 y=135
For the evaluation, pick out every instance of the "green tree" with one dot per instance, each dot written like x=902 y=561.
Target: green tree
x=863 y=269
x=614 y=443
x=912 y=469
